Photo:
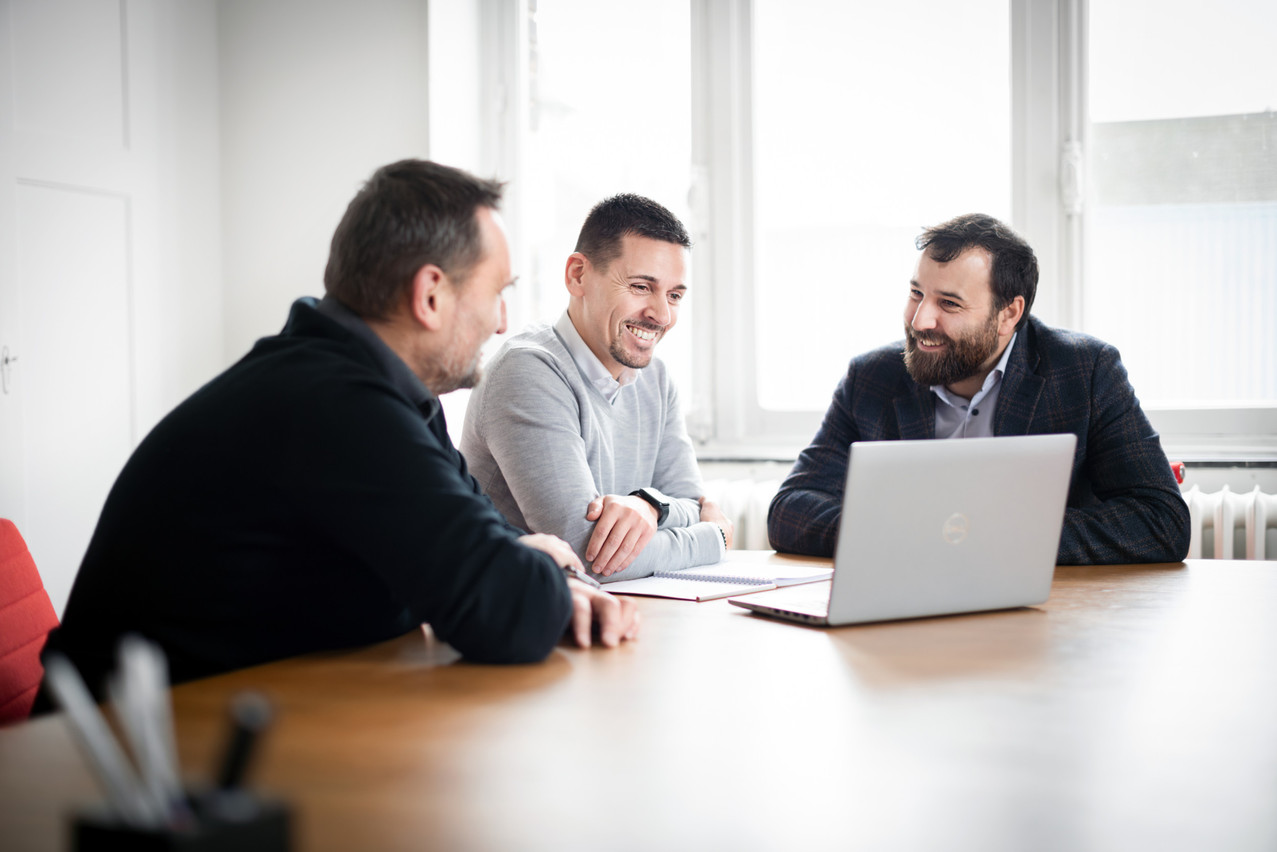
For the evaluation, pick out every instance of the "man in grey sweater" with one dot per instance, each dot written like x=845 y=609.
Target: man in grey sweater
x=576 y=430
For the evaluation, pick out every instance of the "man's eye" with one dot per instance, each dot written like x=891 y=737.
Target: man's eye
x=949 y=305
x=676 y=297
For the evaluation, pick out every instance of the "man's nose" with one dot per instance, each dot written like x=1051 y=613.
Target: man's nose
x=658 y=309
x=501 y=326
x=924 y=316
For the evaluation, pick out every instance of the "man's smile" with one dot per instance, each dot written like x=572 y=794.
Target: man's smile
x=928 y=343
x=647 y=335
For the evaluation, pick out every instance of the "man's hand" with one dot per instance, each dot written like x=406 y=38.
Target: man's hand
x=711 y=512
x=617 y=617
x=558 y=549
x=624 y=526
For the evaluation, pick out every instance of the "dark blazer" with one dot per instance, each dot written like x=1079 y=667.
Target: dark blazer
x=1123 y=504
x=307 y=499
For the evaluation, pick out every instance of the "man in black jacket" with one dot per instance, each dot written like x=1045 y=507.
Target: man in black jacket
x=309 y=497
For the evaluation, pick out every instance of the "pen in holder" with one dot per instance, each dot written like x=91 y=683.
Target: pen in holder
x=146 y=806
x=216 y=821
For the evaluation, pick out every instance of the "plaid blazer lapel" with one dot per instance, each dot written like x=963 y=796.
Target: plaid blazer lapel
x=916 y=413
x=1021 y=389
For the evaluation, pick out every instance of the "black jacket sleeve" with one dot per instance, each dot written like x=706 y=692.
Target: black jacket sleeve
x=397 y=498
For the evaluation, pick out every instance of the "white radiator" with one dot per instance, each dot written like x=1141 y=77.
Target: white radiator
x=1221 y=520
x=1225 y=515
x=745 y=502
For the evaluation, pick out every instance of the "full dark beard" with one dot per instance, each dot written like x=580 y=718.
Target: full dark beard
x=961 y=359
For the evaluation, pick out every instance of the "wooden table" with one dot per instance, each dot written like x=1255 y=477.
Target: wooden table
x=1137 y=709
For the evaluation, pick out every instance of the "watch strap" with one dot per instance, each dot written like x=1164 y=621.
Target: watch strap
x=657 y=500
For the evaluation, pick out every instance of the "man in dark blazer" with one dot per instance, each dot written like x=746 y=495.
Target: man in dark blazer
x=309 y=497
x=975 y=364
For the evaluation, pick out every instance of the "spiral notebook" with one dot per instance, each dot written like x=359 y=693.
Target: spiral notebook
x=723 y=579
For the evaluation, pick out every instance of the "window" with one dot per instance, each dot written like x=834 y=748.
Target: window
x=823 y=136
x=609 y=112
x=857 y=103
x=847 y=174
x=829 y=135
x=1181 y=240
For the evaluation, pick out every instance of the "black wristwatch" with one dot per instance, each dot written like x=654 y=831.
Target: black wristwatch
x=657 y=499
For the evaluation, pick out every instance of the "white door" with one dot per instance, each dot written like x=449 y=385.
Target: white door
x=69 y=184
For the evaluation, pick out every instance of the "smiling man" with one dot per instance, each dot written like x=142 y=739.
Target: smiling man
x=975 y=364
x=309 y=499
x=577 y=430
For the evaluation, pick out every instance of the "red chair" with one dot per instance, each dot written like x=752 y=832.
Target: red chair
x=26 y=617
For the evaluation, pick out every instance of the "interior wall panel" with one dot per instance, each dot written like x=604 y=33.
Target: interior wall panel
x=73 y=274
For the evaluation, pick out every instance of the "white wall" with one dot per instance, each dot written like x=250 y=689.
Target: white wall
x=110 y=280
x=315 y=95
x=456 y=90
x=247 y=126
x=179 y=327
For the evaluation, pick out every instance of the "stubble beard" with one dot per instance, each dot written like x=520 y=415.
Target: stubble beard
x=460 y=366
x=467 y=380
x=448 y=378
x=634 y=362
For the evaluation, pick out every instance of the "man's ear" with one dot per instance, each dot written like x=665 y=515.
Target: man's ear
x=574 y=274
x=1009 y=317
x=431 y=296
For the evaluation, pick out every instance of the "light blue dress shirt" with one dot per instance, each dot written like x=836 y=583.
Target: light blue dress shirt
x=958 y=418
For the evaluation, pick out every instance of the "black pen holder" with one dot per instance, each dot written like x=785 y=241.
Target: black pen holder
x=219 y=821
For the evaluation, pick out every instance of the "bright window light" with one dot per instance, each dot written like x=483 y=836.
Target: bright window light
x=871 y=122
x=610 y=113
x=1181 y=246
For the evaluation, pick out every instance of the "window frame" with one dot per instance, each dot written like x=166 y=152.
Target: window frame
x=1049 y=144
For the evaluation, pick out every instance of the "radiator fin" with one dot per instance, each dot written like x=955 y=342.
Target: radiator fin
x=1225 y=513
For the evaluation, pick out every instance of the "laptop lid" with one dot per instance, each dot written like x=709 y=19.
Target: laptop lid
x=936 y=527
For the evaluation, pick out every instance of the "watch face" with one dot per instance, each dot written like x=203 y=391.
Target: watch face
x=662 y=508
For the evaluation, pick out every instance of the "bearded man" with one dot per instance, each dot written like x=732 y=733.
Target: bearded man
x=974 y=363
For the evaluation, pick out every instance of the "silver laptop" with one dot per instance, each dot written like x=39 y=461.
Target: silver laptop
x=939 y=527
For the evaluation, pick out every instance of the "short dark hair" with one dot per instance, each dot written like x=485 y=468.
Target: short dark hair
x=612 y=218
x=1015 y=267
x=408 y=214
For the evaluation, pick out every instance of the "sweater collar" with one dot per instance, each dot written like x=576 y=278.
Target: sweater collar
x=589 y=364
x=401 y=377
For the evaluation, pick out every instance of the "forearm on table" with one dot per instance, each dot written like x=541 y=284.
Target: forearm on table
x=684 y=511
x=804 y=521
x=1146 y=528
x=672 y=549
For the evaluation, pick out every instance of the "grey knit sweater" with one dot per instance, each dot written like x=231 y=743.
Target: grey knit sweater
x=543 y=442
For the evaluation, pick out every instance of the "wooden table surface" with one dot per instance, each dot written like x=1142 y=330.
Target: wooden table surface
x=1136 y=709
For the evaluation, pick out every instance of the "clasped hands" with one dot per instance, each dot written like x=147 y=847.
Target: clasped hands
x=624 y=525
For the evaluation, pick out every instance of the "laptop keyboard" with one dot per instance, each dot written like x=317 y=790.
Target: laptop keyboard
x=813 y=607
